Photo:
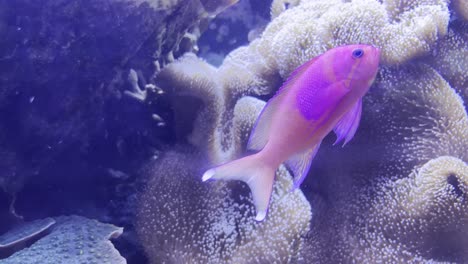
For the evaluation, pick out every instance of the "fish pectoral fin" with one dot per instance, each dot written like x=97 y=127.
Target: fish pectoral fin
x=348 y=124
x=258 y=177
x=316 y=102
x=300 y=163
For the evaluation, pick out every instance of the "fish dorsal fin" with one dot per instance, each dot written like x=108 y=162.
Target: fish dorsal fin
x=300 y=163
x=298 y=72
x=259 y=135
x=261 y=131
x=348 y=124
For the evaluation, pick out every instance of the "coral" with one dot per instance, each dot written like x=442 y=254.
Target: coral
x=425 y=118
x=425 y=216
x=182 y=220
x=203 y=98
x=421 y=218
x=402 y=29
x=163 y=5
x=367 y=208
x=450 y=57
x=214 y=7
x=279 y=6
x=65 y=66
x=190 y=81
x=412 y=116
x=215 y=115
x=149 y=95
x=211 y=7
x=73 y=239
x=243 y=13
x=461 y=9
x=21 y=234
x=24 y=232
x=243 y=22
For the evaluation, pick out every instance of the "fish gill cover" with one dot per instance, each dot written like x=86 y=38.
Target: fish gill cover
x=74 y=141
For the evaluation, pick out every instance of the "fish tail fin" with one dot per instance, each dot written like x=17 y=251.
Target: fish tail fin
x=258 y=175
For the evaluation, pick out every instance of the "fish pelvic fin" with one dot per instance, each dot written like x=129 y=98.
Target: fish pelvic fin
x=251 y=170
x=300 y=163
x=348 y=124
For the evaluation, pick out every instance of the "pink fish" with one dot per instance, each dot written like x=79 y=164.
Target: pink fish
x=322 y=95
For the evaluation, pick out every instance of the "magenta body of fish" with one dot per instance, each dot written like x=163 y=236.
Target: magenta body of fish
x=322 y=95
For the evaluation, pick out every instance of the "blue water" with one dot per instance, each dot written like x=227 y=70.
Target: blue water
x=101 y=117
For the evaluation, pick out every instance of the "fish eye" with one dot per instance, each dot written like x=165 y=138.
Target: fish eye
x=357 y=53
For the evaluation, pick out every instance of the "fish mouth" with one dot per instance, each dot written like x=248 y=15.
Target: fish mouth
x=371 y=81
x=376 y=51
x=375 y=57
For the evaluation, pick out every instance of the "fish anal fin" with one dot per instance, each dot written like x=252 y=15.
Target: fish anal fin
x=348 y=124
x=300 y=163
